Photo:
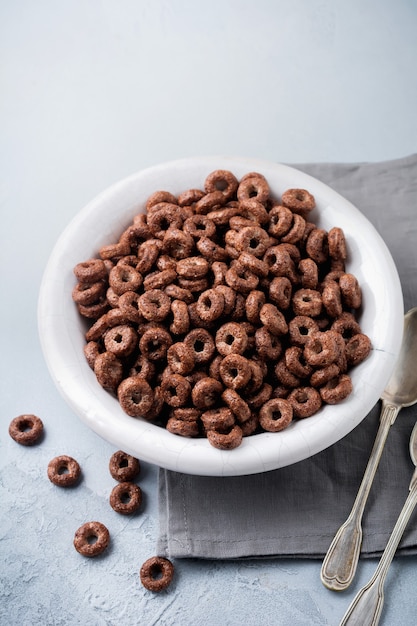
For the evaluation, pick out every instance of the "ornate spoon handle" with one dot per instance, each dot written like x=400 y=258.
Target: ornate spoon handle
x=339 y=565
x=366 y=607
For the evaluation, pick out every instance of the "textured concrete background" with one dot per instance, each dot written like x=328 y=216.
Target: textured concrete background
x=91 y=92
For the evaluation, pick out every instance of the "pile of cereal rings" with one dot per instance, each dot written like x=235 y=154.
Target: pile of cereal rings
x=223 y=312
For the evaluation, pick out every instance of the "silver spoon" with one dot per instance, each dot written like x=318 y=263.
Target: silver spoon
x=339 y=565
x=366 y=607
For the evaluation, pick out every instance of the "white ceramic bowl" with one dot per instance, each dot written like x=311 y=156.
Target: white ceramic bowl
x=103 y=220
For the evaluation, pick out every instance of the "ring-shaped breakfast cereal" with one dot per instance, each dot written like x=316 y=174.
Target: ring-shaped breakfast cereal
x=183 y=428
x=190 y=197
x=165 y=262
x=125 y=498
x=305 y=401
x=85 y=293
x=206 y=392
x=143 y=367
x=121 y=340
x=253 y=210
x=346 y=325
x=257 y=376
x=199 y=226
x=175 y=390
x=307 y=302
x=336 y=389
x=114 y=251
x=147 y=255
x=90 y=271
x=112 y=298
x=321 y=349
x=64 y=471
x=237 y=405
x=218 y=270
x=226 y=441
x=26 y=429
x=280 y=292
x=275 y=415
x=221 y=419
x=95 y=310
x=351 y=291
x=210 y=305
x=253 y=305
x=108 y=370
x=231 y=338
x=135 y=396
x=332 y=299
x=179 y=293
x=251 y=239
x=240 y=279
x=156 y=573
x=160 y=196
x=337 y=244
x=284 y=376
x=154 y=305
x=322 y=375
x=295 y=362
x=91 y=539
x=273 y=319
x=221 y=180
x=154 y=343
x=178 y=244
x=221 y=217
x=180 y=318
x=280 y=220
x=296 y=232
x=301 y=327
x=317 y=246
x=209 y=202
x=235 y=371
x=193 y=267
x=357 y=349
x=253 y=186
x=280 y=262
x=201 y=343
x=253 y=264
x=159 y=279
x=211 y=250
x=163 y=219
x=298 y=200
x=123 y=467
x=268 y=345
x=309 y=273
x=185 y=414
x=129 y=307
x=256 y=400
x=180 y=358
x=91 y=351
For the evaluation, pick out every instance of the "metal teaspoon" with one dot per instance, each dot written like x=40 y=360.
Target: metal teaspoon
x=339 y=565
x=366 y=607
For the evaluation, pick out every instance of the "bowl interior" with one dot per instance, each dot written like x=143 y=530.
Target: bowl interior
x=102 y=221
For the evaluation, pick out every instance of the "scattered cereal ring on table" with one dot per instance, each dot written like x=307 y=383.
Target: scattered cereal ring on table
x=156 y=573
x=26 y=429
x=124 y=467
x=64 y=471
x=91 y=539
x=126 y=498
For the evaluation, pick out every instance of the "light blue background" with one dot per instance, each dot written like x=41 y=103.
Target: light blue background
x=91 y=92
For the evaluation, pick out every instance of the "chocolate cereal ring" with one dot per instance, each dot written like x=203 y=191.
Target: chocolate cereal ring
x=280 y=221
x=280 y=292
x=298 y=200
x=337 y=389
x=305 y=401
x=221 y=180
x=90 y=271
x=156 y=573
x=231 y=338
x=123 y=467
x=199 y=226
x=210 y=305
x=135 y=396
x=337 y=244
x=206 y=392
x=121 y=340
x=64 y=471
x=351 y=291
x=235 y=371
x=180 y=358
x=91 y=539
x=237 y=405
x=201 y=343
x=307 y=302
x=321 y=349
x=357 y=349
x=26 y=429
x=86 y=293
x=175 y=390
x=226 y=441
x=301 y=327
x=275 y=415
x=124 y=278
x=154 y=343
x=125 y=498
x=183 y=428
x=108 y=369
x=253 y=186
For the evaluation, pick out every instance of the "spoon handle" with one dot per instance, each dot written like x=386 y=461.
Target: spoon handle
x=366 y=607
x=339 y=565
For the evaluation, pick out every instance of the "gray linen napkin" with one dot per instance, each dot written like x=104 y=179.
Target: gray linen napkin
x=295 y=511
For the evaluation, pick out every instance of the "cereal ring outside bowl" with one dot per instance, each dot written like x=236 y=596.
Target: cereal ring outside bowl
x=105 y=218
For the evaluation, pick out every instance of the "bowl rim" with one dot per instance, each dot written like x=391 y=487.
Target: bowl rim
x=263 y=452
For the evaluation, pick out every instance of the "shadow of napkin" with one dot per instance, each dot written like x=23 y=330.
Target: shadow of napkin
x=296 y=510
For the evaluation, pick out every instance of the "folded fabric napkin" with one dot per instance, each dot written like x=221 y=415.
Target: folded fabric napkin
x=295 y=511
